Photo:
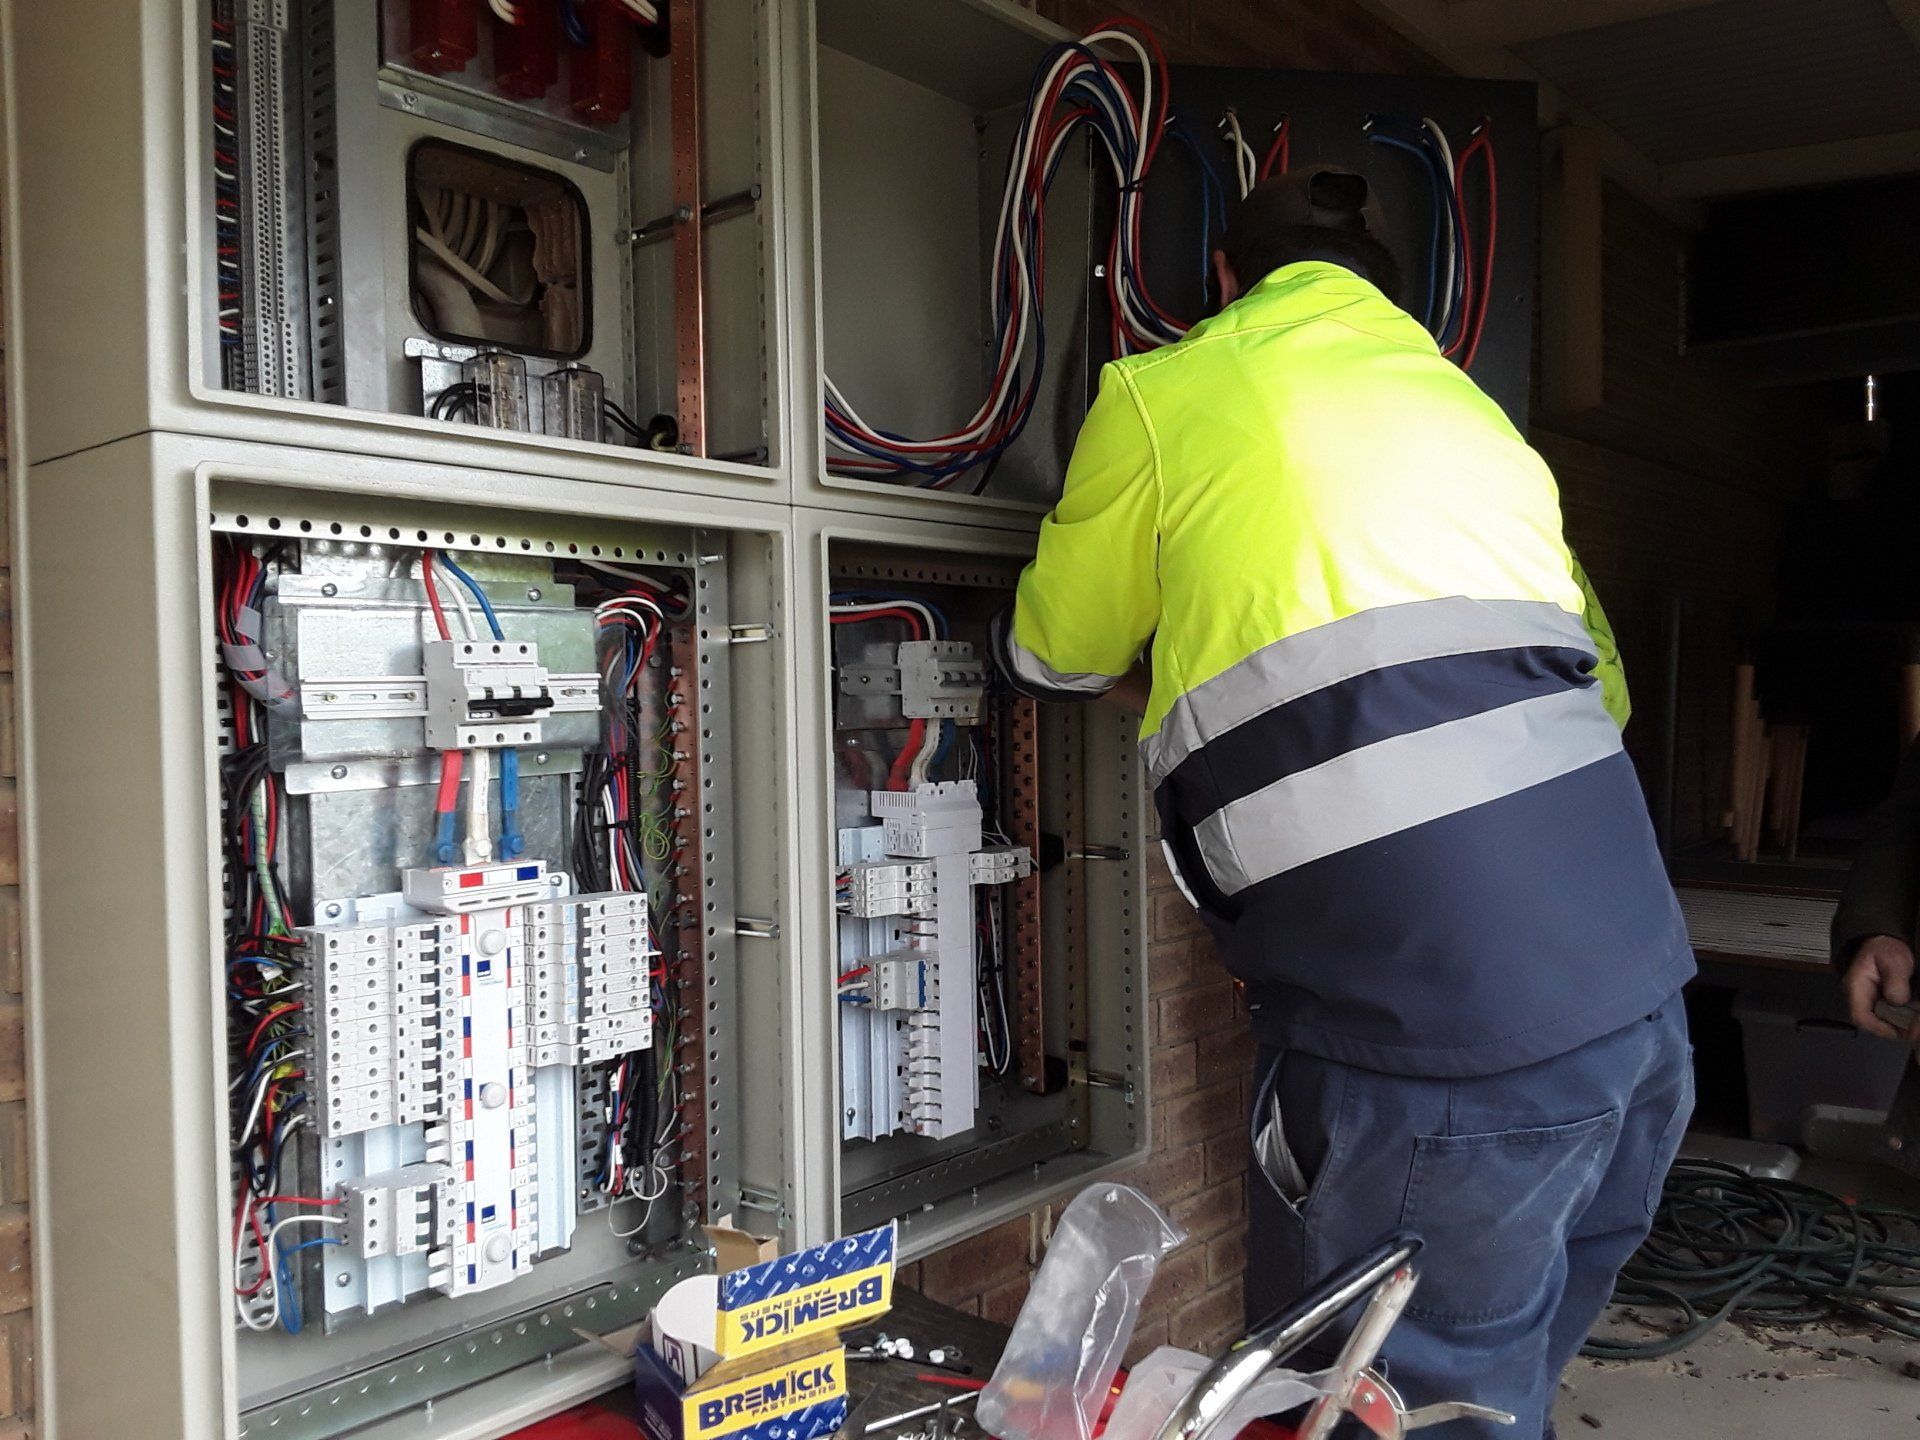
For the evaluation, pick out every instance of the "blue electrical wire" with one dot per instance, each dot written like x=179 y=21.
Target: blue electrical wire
x=512 y=843
x=1425 y=156
x=1213 y=193
x=575 y=27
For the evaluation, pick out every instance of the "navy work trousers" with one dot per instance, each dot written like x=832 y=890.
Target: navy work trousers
x=1531 y=1188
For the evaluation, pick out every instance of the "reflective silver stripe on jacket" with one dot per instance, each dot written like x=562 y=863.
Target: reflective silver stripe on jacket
x=1395 y=784
x=1300 y=664
x=1031 y=671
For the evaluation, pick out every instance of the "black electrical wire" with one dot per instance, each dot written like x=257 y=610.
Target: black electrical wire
x=1729 y=1245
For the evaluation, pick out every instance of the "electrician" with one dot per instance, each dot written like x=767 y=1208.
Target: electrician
x=1387 y=776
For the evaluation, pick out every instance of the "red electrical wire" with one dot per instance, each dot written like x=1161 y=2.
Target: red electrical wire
x=902 y=766
x=433 y=594
x=279 y=1012
x=856 y=973
x=1481 y=144
x=1281 y=150
x=448 y=796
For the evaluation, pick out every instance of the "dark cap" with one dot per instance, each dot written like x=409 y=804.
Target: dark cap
x=1322 y=197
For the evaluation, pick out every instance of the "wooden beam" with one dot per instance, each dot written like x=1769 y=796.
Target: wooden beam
x=1506 y=23
x=1427 y=23
x=1572 y=274
x=1760 y=170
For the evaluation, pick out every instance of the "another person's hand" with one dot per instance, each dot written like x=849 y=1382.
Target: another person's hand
x=1881 y=970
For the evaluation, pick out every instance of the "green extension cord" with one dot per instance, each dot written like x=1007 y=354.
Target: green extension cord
x=1726 y=1245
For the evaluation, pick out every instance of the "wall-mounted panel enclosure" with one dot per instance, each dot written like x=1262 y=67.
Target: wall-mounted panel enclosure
x=984 y=940
x=1002 y=210
x=436 y=210
x=498 y=802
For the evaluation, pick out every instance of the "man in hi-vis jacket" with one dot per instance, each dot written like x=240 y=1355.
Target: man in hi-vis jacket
x=1387 y=774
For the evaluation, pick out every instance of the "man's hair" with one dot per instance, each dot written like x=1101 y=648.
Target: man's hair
x=1317 y=214
x=1263 y=254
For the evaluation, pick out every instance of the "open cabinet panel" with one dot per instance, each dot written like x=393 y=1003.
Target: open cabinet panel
x=984 y=950
x=495 y=844
x=913 y=157
x=426 y=210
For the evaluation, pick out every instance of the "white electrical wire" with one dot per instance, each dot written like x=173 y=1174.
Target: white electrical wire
x=477 y=845
x=270 y=1286
x=1246 y=165
x=865 y=607
x=1450 y=289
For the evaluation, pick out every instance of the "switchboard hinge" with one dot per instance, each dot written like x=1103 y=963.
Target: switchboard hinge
x=1108 y=1080
x=766 y=1203
x=754 y=633
x=748 y=928
x=1101 y=852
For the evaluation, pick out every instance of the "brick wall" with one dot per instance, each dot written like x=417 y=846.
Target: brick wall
x=16 y=1271
x=1677 y=479
x=1677 y=485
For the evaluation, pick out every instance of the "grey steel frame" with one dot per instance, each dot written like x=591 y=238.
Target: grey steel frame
x=122 y=871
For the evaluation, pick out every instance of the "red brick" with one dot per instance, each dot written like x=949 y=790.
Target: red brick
x=1159 y=876
x=1171 y=1174
x=1227 y=1257
x=14 y=1177
x=1181 y=1279
x=12 y=955
x=1175 y=1071
x=1226 y=1054
x=1210 y=1321
x=1227 y=1153
x=1173 y=917
x=9 y=833
x=1002 y=1303
x=13 y=1053
x=1148 y=1336
x=16 y=1262
x=1174 y=966
x=976 y=1265
x=1214 y=1210
x=1189 y=1014
x=1204 y=1113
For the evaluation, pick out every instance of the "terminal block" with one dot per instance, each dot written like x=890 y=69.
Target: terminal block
x=400 y=1212
x=484 y=694
x=470 y=1020
x=888 y=887
x=941 y=680
x=938 y=819
x=909 y=1041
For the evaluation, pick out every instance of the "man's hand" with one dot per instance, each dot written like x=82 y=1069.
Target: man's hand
x=1131 y=692
x=1881 y=970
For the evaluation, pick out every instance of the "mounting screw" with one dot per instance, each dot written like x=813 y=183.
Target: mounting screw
x=533 y=592
x=339 y=772
x=409 y=100
x=333 y=910
x=329 y=589
x=540 y=758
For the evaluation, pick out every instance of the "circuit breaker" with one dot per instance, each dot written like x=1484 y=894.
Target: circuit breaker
x=982 y=884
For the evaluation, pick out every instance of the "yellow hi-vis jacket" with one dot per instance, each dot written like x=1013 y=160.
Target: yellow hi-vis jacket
x=1380 y=748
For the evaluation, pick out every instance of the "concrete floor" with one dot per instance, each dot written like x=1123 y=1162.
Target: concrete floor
x=1843 y=1381
x=1801 y=1384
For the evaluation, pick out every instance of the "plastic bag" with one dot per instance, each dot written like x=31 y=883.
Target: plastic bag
x=1057 y=1371
x=1161 y=1381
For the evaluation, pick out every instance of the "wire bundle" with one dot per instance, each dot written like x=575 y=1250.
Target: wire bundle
x=1727 y=1245
x=925 y=744
x=226 y=193
x=1073 y=87
x=1248 y=169
x=1459 y=281
x=267 y=974
x=622 y=843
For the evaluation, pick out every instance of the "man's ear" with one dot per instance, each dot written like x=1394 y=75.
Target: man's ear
x=1223 y=275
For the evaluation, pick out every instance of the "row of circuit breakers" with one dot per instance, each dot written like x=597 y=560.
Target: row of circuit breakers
x=469 y=1043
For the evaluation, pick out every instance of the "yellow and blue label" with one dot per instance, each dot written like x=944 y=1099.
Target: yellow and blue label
x=799 y=1400
x=817 y=1292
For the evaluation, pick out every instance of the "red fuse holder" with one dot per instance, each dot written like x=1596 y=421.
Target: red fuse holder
x=600 y=77
x=446 y=34
x=526 y=57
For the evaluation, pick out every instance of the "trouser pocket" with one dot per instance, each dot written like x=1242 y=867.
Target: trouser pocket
x=1274 y=1161
x=1495 y=1211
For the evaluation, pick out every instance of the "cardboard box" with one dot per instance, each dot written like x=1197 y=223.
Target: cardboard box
x=782 y=1371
